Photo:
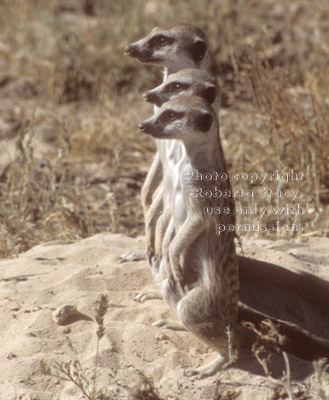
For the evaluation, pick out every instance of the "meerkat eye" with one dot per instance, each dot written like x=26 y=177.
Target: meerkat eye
x=174 y=87
x=170 y=115
x=177 y=87
x=160 y=40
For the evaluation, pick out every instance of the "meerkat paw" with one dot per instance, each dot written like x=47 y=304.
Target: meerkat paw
x=167 y=324
x=154 y=261
x=151 y=295
x=150 y=256
x=133 y=255
x=218 y=364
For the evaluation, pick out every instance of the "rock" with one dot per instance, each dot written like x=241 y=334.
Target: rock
x=63 y=313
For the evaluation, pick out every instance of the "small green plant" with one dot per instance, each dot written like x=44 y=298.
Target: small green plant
x=72 y=371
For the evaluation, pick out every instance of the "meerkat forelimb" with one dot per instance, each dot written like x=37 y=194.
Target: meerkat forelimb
x=153 y=214
x=168 y=324
x=151 y=183
x=150 y=295
x=160 y=230
x=204 y=265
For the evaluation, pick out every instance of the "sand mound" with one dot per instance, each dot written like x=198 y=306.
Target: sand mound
x=54 y=274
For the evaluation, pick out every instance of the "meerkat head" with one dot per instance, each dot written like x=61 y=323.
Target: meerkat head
x=185 y=118
x=186 y=82
x=175 y=47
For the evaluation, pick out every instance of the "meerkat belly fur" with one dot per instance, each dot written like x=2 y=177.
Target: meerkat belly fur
x=173 y=47
x=201 y=283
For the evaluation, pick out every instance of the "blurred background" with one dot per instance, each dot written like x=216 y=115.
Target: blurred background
x=72 y=161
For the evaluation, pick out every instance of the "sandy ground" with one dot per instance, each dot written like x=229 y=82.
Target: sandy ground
x=53 y=274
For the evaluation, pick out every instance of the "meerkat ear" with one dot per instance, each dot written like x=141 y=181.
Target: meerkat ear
x=204 y=121
x=209 y=94
x=198 y=50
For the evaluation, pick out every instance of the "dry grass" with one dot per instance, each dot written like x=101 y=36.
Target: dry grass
x=286 y=387
x=39 y=201
x=64 y=63
x=72 y=371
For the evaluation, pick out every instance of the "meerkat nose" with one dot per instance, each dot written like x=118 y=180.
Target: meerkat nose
x=152 y=98
x=149 y=97
x=129 y=50
x=141 y=126
x=146 y=96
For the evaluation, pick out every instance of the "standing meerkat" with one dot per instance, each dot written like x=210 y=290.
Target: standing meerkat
x=200 y=281
x=186 y=82
x=173 y=47
x=158 y=229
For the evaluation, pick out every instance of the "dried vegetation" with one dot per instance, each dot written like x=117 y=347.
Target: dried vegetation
x=72 y=161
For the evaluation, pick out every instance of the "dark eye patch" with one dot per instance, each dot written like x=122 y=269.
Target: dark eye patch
x=209 y=94
x=198 y=50
x=170 y=115
x=204 y=121
x=161 y=40
x=175 y=87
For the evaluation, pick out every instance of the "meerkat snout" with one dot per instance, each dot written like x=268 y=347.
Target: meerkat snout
x=149 y=128
x=147 y=96
x=129 y=50
x=152 y=97
x=141 y=126
x=136 y=50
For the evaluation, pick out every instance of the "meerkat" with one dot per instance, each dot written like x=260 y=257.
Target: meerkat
x=186 y=82
x=173 y=47
x=201 y=282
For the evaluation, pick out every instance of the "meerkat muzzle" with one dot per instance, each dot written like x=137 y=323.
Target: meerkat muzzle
x=153 y=98
x=141 y=126
x=135 y=51
x=129 y=50
x=150 y=129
